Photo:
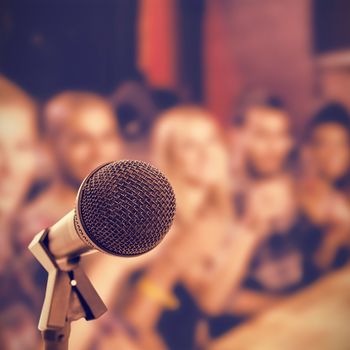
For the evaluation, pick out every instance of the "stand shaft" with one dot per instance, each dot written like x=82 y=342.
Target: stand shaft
x=56 y=339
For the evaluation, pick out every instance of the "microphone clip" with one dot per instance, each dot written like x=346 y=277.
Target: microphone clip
x=69 y=295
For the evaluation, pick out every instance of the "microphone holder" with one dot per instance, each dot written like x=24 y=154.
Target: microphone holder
x=69 y=295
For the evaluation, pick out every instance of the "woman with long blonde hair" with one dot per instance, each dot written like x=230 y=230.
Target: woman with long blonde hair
x=189 y=147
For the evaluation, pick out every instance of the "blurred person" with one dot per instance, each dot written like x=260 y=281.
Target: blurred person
x=264 y=146
x=280 y=263
x=269 y=260
x=334 y=76
x=137 y=105
x=325 y=185
x=134 y=108
x=80 y=133
x=190 y=148
x=161 y=308
x=18 y=152
x=264 y=138
x=18 y=145
x=269 y=228
x=261 y=146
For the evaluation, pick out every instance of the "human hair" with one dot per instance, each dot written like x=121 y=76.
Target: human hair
x=331 y=113
x=169 y=126
x=256 y=99
x=11 y=95
x=170 y=123
x=67 y=104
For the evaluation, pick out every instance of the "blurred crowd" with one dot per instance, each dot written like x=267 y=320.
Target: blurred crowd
x=262 y=211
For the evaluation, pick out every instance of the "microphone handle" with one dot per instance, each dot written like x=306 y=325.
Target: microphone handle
x=57 y=339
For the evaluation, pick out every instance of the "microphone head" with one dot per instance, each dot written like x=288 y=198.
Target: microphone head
x=125 y=208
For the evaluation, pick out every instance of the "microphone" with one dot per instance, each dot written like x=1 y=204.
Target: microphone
x=123 y=208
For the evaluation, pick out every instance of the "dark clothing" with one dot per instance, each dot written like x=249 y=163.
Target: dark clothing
x=303 y=238
x=178 y=327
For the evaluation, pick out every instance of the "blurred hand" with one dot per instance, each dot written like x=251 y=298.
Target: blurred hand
x=260 y=209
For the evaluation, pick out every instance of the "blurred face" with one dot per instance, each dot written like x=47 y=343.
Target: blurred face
x=17 y=156
x=85 y=141
x=199 y=154
x=330 y=151
x=267 y=140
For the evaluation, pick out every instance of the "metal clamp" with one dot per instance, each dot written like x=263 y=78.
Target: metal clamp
x=69 y=295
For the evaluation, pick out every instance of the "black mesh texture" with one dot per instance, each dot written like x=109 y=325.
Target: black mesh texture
x=126 y=207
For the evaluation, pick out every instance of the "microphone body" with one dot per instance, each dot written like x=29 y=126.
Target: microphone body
x=64 y=238
x=123 y=208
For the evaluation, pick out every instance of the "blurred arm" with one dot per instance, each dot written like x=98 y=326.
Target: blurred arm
x=227 y=278
x=247 y=302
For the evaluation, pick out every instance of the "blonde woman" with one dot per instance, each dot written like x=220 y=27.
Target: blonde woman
x=189 y=147
x=202 y=260
x=18 y=163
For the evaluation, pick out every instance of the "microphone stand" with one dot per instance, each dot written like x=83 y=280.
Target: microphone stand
x=69 y=295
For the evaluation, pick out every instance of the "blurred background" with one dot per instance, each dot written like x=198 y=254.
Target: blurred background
x=244 y=105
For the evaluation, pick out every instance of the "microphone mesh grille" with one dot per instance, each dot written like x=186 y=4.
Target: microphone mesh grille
x=126 y=207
